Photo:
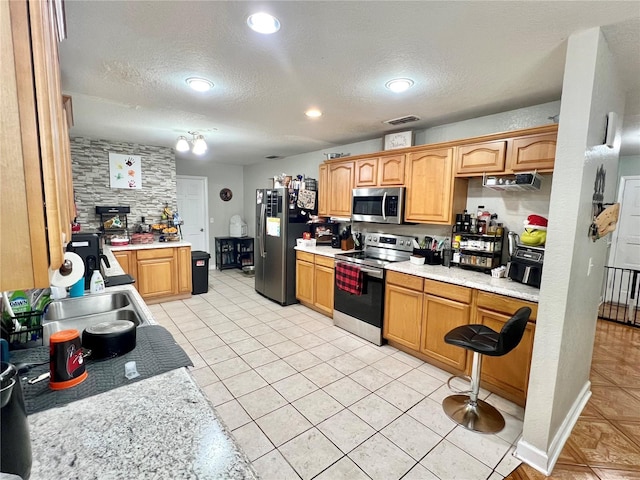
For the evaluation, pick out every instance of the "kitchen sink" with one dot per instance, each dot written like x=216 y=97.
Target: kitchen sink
x=81 y=312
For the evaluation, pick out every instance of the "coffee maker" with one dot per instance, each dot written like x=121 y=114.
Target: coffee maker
x=87 y=246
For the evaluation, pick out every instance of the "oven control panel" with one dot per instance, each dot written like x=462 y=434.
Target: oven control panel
x=395 y=242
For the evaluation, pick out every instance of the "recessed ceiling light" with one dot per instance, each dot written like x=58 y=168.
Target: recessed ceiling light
x=263 y=23
x=313 y=113
x=399 y=84
x=199 y=84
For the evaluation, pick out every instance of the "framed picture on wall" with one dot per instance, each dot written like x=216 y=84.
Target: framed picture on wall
x=398 y=140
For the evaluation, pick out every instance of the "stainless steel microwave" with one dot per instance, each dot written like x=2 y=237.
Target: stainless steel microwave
x=378 y=205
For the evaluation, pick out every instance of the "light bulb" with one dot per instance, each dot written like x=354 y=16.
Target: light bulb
x=263 y=23
x=199 y=146
x=182 y=145
x=199 y=84
x=399 y=84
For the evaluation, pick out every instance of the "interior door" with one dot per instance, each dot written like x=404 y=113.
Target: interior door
x=625 y=247
x=192 y=200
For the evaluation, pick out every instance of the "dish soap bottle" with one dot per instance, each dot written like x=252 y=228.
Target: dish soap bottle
x=97 y=282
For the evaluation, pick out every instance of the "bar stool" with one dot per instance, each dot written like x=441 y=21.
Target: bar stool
x=468 y=410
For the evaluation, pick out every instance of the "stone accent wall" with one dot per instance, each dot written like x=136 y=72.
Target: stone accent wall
x=90 y=164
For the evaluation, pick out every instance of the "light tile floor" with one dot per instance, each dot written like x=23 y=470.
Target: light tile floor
x=305 y=399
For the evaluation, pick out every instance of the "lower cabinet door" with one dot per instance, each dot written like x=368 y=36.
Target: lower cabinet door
x=509 y=372
x=324 y=288
x=184 y=270
x=304 y=281
x=402 y=316
x=156 y=277
x=439 y=317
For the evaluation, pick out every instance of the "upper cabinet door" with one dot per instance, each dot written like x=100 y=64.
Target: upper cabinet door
x=323 y=191
x=391 y=170
x=480 y=158
x=340 y=188
x=432 y=194
x=533 y=152
x=37 y=189
x=367 y=172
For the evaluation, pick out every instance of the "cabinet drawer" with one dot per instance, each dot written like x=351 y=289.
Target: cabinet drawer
x=506 y=305
x=447 y=290
x=408 y=281
x=152 y=253
x=304 y=256
x=325 y=261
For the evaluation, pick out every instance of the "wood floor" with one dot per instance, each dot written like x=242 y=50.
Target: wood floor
x=605 y=443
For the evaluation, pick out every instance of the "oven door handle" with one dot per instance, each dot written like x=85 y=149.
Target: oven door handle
x=373 y=273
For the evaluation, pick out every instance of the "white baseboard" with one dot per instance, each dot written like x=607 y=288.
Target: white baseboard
x=545 y=461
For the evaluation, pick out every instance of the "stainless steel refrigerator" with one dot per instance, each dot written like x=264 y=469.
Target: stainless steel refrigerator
x=279 y=222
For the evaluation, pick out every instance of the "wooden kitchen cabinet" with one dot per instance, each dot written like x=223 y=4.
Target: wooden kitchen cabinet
x=433 y=195
x=340 y=179
x=445 y=308
x=314 y=281
x=403 y=309
x=184 y=270
x=391 y=170
x=127 y=261
x=532 y=152
x=161 y=274
x=420 y=312
x=479 y=158
x=36 y=189
x=323 y=191
x=385 y=171
x=156 y=272
x=366 y=173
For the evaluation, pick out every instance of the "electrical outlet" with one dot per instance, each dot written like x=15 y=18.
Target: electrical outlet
x=211 y=220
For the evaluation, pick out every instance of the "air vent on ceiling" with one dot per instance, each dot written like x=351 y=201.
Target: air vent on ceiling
x=272 y=157
x=402 y=120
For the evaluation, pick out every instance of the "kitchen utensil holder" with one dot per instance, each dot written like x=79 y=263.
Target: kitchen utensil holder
x=28 y=337
x=431 y=257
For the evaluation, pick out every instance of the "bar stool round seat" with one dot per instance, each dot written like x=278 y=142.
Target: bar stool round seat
x=468 y=410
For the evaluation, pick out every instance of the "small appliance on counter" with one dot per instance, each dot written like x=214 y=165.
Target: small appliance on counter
x=525 y=265
x=87 y=246
x=324 y=232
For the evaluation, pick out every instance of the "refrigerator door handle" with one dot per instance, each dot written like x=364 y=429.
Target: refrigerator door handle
x=262 y=229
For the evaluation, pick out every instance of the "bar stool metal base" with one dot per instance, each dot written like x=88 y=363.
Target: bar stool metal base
x=481 y=417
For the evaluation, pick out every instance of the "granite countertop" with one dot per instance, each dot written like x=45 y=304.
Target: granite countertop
x=160 y=427
x=468 y=278
x=146 y=246
x=454 y=275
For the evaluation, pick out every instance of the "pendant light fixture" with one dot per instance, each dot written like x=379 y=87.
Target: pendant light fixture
x=197 y=144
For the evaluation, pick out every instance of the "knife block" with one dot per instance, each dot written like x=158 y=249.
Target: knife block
x=347 y=244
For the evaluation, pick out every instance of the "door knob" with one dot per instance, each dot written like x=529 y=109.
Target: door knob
x=202 y=229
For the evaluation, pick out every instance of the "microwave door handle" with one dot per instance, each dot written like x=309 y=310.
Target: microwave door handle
x=384 y=206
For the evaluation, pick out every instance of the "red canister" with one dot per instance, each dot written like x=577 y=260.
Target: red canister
x=66 y=363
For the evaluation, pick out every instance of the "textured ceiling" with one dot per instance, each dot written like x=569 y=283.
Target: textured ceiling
x=125 y=64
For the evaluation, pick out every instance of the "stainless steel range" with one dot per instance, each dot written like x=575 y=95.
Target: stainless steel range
x=362 y=313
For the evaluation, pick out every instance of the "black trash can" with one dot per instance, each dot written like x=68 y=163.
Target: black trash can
x=199 y=272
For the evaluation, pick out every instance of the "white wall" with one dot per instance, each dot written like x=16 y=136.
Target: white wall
x=569 y=295
x=219 y=177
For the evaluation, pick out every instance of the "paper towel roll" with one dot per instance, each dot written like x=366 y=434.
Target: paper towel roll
x=56 y=278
